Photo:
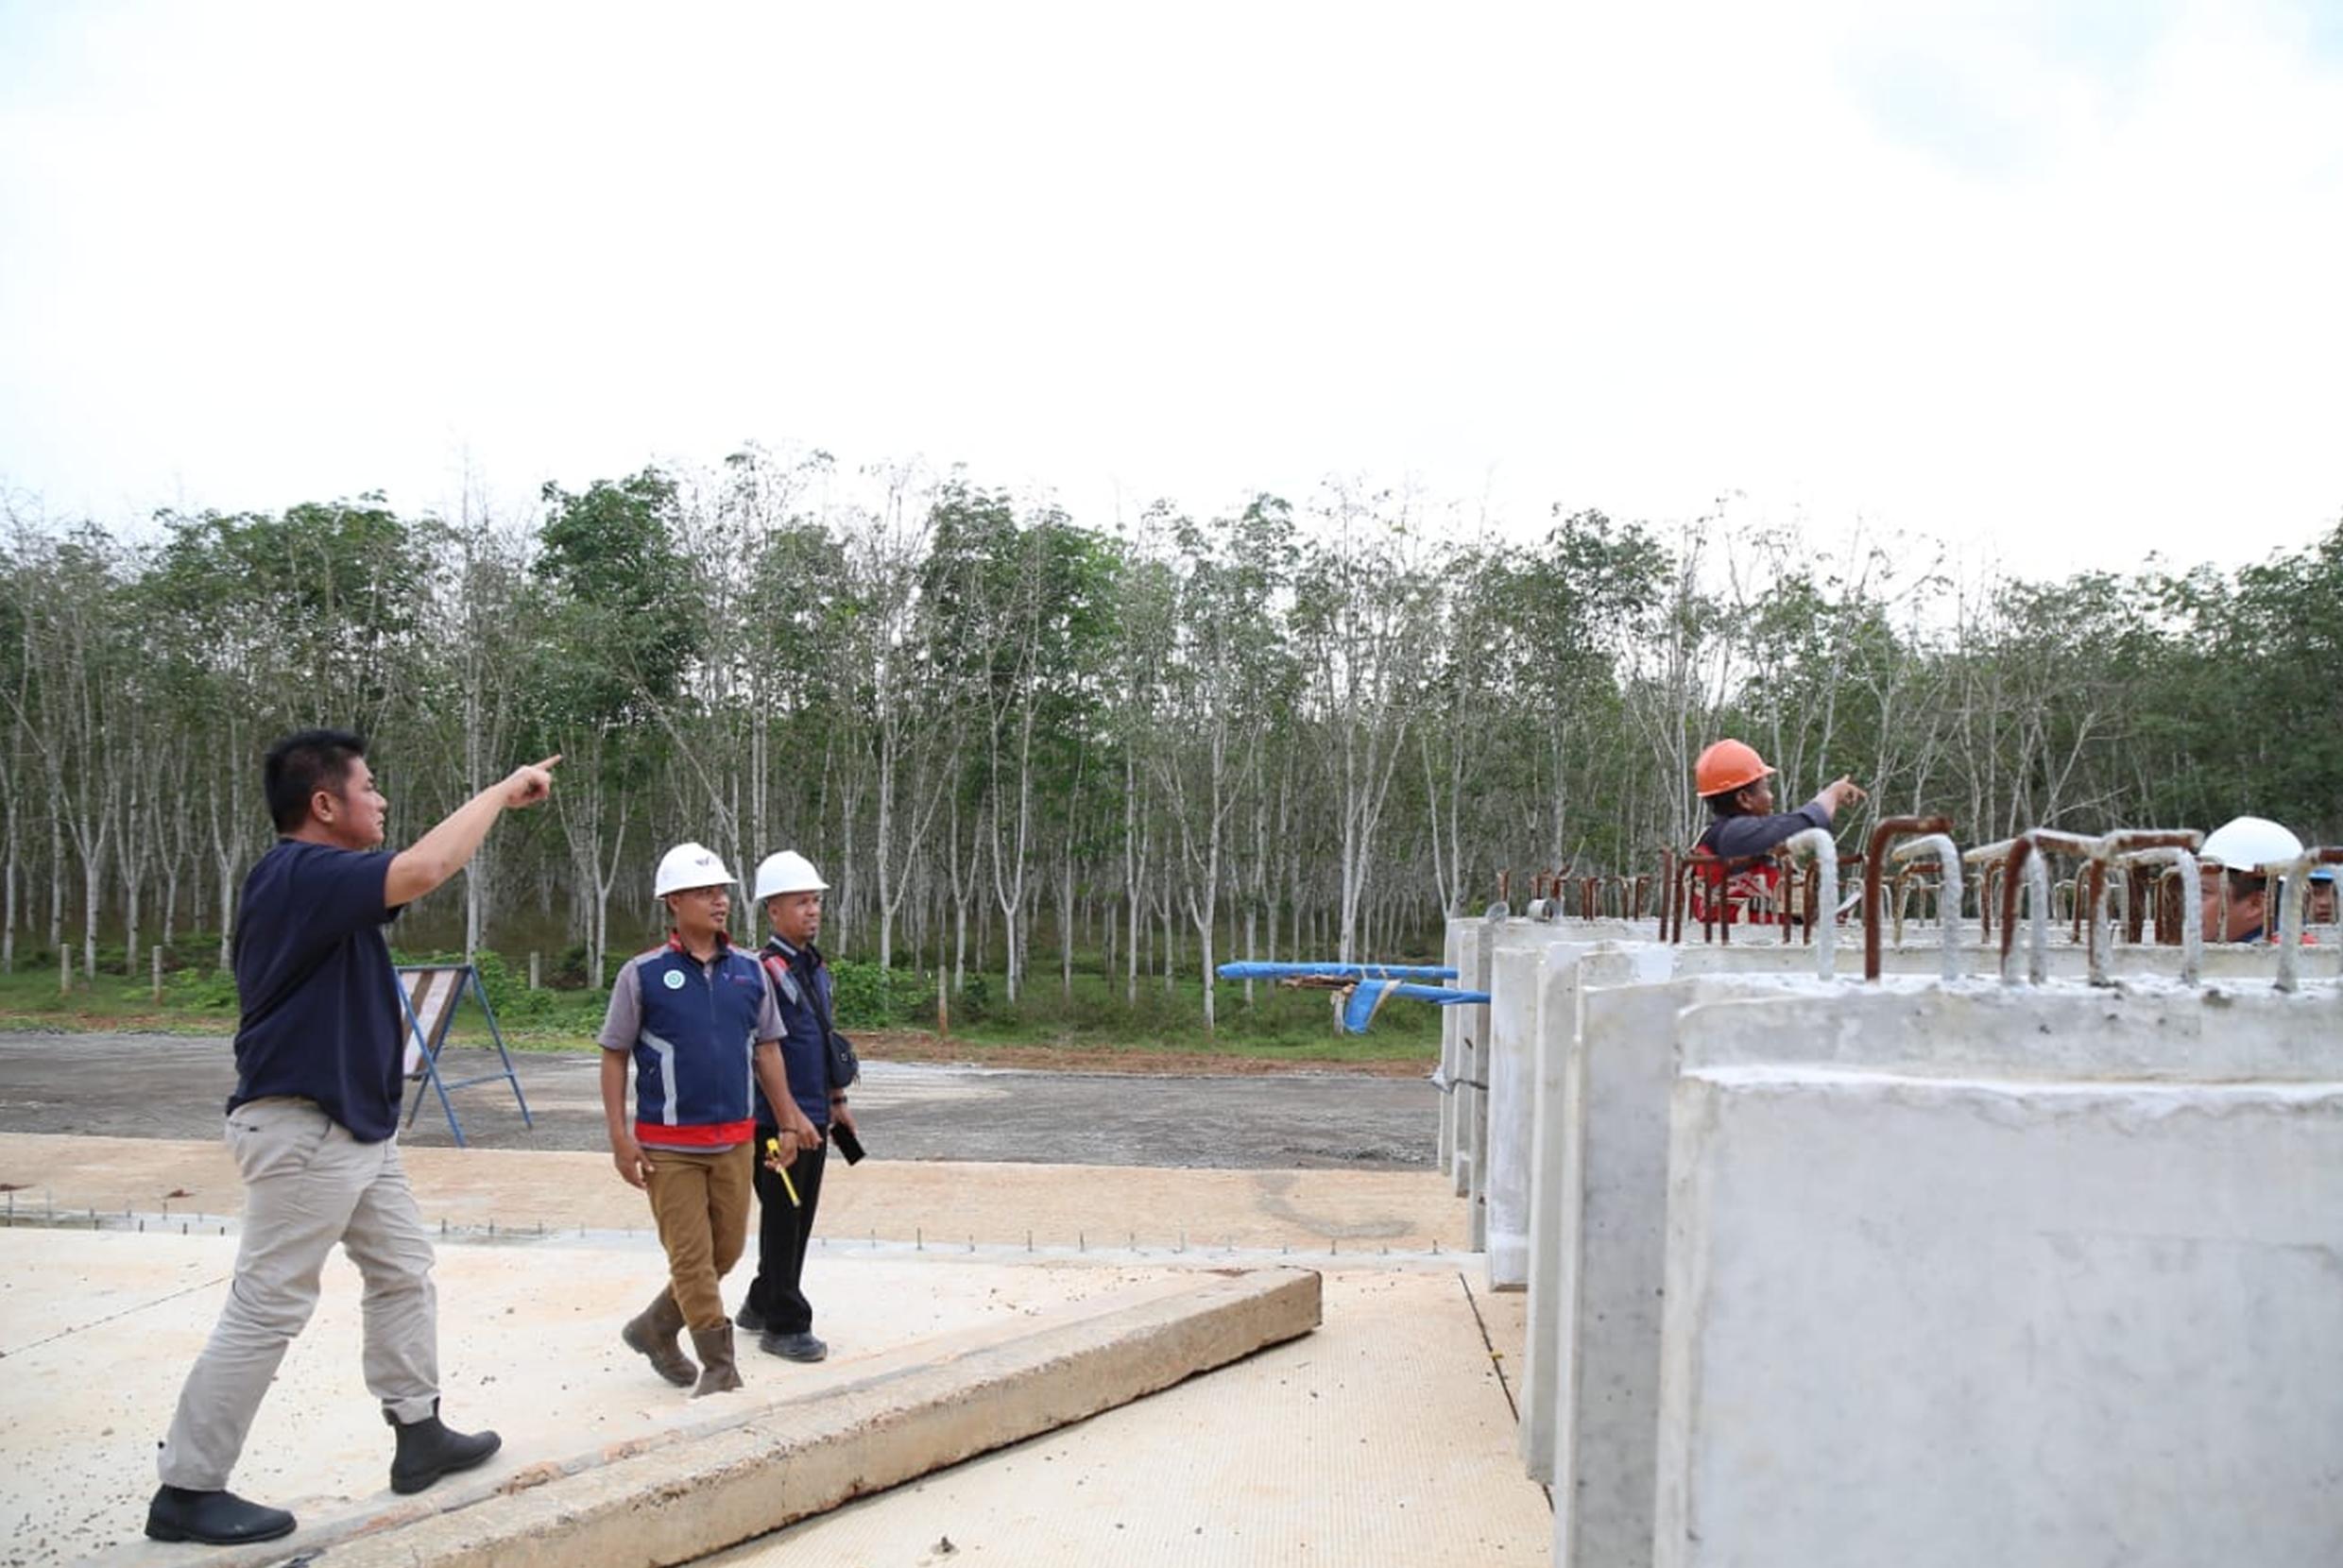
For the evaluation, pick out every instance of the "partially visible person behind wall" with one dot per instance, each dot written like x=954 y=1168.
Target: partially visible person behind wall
x=1735 y=878
x=2237 y=905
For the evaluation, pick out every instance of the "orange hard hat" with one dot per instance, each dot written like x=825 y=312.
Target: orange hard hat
x=1725 y=767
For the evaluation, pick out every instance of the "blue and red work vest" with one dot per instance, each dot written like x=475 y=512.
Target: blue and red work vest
x=1727 y=892
x=696 y=1077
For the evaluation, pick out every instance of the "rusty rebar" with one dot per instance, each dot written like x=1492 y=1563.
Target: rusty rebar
x=1992 y=863
x=2141 y=863
x=2104 y=850
x=1823 y=868
x=1946 y=887
x=2297 y=886
x=1890 y=828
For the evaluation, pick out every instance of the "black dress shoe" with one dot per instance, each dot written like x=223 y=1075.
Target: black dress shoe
x=428 y=1450
x=800 y=1346
x=214 y=1518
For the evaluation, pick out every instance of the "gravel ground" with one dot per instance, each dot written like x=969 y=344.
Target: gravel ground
x=168 y=1086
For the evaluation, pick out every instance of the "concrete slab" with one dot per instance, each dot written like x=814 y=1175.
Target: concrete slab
x=1055 y=1207
x=1383 y=1438
x=805 y=1457
x=99 y=1327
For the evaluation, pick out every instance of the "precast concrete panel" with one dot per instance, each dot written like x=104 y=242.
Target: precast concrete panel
x=1450 y=1067
x=1522 y=949
x=1554 y=1172
x=1472 y=1099
x=1592 y=1347
x=1600 y=1336
x=1939 y=1322
x=1513 y=1030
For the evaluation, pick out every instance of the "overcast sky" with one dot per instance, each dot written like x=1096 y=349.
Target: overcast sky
x=2061 y=278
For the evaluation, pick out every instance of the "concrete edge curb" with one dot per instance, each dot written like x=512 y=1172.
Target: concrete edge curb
x=740 y=1477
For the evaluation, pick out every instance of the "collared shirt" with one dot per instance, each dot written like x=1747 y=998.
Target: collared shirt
x=321 y=1016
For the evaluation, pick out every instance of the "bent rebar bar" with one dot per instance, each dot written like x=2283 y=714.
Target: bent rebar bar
x=1947 y=894
x=1874 y=862
x=1821 y=852
x=2192 y=912
x=2298 y=891
x=2027 y=857
x=2104 y=850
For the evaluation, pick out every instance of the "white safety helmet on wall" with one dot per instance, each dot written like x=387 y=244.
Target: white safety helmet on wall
x=787 y=872
x=2242 y=844
x=688 y=865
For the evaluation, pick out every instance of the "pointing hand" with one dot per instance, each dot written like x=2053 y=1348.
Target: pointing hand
x=527 y=786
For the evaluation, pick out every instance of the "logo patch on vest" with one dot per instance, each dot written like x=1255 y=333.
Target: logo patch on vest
x=675 y=979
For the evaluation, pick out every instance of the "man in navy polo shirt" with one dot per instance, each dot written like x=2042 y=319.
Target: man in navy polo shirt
x=319 y=1076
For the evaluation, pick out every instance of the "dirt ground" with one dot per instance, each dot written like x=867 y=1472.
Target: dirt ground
x=1213 y=1112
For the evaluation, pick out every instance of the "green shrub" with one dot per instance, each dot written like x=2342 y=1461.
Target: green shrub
x=211 y=990
x=867 y=997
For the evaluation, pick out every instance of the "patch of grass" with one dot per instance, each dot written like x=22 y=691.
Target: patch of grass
x=1096 y=1018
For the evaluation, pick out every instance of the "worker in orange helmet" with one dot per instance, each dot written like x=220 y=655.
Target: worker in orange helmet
x=1736 y=784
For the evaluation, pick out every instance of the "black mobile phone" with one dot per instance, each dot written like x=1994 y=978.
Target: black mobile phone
x=848 y=1145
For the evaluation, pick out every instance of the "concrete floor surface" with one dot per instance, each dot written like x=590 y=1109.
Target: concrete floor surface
x=1397 y=1400
x=1383 y=1438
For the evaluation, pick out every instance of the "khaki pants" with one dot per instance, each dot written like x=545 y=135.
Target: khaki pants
x=307 y=1184
x=701 y=1204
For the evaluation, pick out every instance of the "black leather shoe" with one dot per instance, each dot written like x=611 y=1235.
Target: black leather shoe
x=214 y=1518
x=800 y=1346
x=748 y=1320
x=428 y=1450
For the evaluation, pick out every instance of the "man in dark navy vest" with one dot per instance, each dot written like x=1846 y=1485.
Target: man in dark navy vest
x=790 y=893
x=320 y=1071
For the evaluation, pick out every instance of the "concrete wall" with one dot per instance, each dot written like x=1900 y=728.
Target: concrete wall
x=1940 y=1322
x=1599 y=1231
x=1557 y=1153
x=1517 y=952
x=1591 y=1395
x=1450 y=1056
x=1470 y=1083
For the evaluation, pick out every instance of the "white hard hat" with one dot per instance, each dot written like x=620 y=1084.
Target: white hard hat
x=688 y=865
x=787 y=872
x=2243 y=844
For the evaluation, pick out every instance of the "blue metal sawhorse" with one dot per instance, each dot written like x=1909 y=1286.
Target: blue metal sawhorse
x=428 y=1047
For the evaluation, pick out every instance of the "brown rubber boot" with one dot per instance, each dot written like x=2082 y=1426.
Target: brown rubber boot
x=653 y=1335
x=718 y=1372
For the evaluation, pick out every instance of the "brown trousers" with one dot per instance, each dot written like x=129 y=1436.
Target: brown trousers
x=701 y=1202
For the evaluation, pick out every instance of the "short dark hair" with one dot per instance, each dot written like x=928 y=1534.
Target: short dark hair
x=2244 y=884
x=301 y=765
x=1726 y=803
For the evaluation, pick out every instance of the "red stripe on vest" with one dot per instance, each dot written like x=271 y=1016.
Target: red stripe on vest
x=714 y=1134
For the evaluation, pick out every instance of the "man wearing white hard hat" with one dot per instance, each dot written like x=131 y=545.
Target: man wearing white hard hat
x=697 y=1016
x=788 y=1186
x=2237 y=907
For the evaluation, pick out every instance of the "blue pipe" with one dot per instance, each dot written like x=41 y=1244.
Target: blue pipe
x=1254 y=971
x=1370 y=994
